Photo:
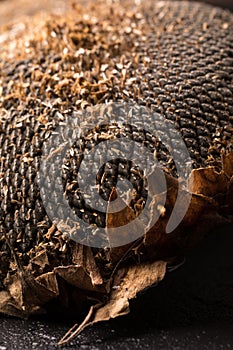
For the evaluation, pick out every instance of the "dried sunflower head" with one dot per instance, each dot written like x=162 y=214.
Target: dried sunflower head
x=145 y=73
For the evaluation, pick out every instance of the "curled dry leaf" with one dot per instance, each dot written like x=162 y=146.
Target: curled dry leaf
x=127 y=283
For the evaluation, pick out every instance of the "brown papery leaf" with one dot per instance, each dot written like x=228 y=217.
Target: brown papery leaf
x=127 y=283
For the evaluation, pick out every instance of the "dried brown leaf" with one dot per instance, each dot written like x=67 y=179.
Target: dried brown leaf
x=77 y=276
x=128 y=282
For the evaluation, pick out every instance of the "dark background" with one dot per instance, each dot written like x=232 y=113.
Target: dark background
x=192 y=308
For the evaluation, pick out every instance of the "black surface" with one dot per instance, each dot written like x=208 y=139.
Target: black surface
x=191 y=309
